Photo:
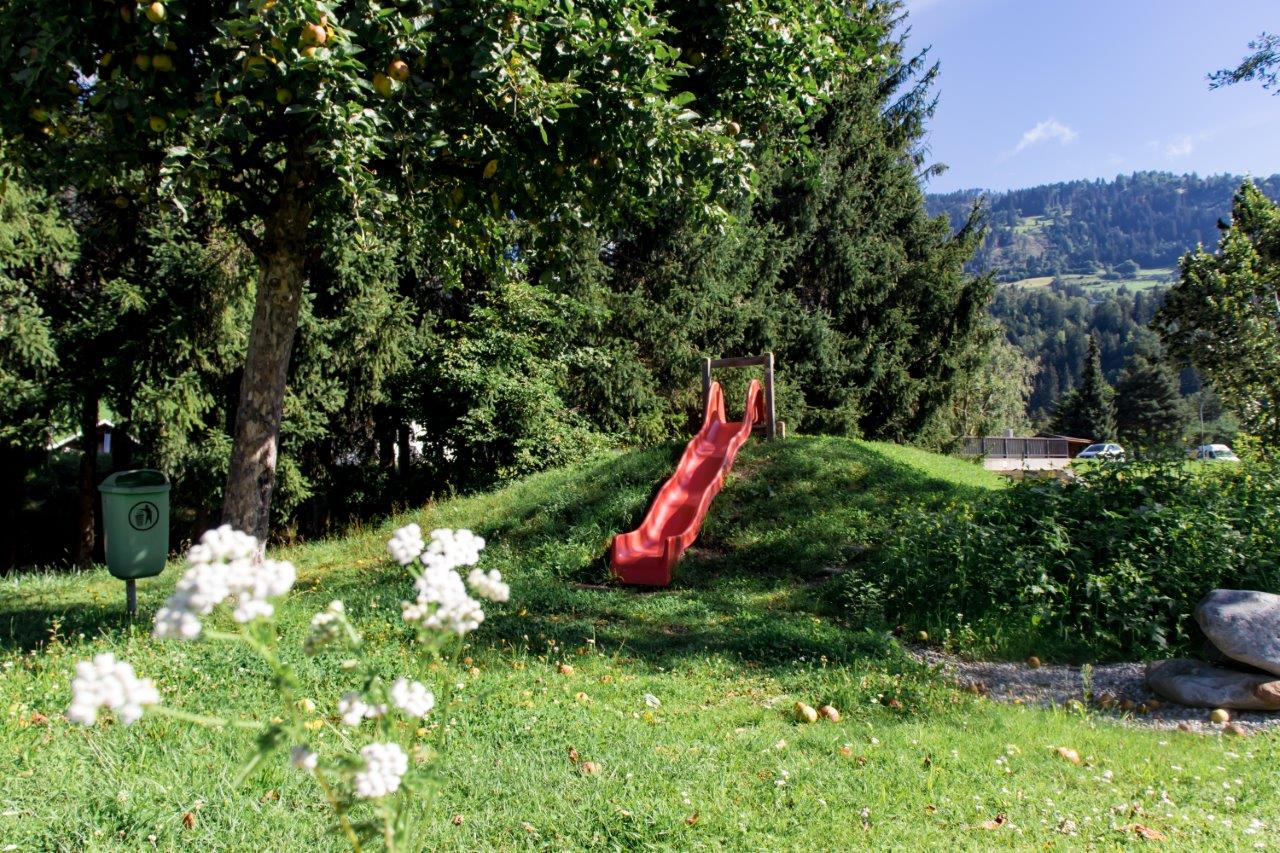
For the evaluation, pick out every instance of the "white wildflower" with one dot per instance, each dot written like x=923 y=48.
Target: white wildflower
x=200 y=589
x=412 y=697
x=384 y=766
x=326 y=627
x=257 y=582
x=406 y=544
x=488 y=584
x=450 y=549
x=353 y=709
x=303 y=758
x=443 y=603
x=223 y=566
x=106 y=682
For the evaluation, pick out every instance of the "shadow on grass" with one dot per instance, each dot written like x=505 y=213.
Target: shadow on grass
x=29 y=620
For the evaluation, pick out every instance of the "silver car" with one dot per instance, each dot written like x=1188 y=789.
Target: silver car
x=1218 y=452
x=1102 y=451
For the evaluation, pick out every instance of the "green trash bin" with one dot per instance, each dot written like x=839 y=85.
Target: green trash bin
x=135 y=522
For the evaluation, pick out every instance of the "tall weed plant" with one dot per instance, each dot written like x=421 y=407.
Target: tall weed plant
x=1110 y=565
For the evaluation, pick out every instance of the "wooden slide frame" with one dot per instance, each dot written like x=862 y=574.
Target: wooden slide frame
x=765 y=360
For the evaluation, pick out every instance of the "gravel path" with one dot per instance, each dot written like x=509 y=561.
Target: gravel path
x=1054 y=684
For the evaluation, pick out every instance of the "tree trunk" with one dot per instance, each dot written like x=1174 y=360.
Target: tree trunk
x=404 y=450
x=121 y=443
x=252 y=473
x=88 y=486
x=384 y=431
x=13 y=470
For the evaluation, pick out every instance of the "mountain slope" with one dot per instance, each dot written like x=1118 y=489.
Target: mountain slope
x=1092 y=228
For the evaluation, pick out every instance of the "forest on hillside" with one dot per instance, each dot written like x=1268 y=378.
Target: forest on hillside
x=1053 y=325
x=1059 y=242
x=1097 y=227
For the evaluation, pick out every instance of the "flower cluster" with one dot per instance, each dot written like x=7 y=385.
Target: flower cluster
x=412 y=697
x=449 y=549
x=326 y=627
x=223 y=566
x=406 y=544
x=353 y=709
x=303 y=758
x=488 y=585
x=384 y=766
x=106 y=682
x=442 y=602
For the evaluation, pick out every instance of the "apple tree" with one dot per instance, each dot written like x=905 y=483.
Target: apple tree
x=445 y=120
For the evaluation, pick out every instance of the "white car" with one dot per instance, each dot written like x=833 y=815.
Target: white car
x=1102 y=451
x=1216 y=451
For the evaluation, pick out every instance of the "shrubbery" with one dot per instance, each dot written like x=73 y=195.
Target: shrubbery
x=1110 y=565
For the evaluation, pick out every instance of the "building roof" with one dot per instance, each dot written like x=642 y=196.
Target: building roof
x=59 y=444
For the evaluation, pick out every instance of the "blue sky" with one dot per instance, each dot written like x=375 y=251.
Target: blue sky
x=1035 y=91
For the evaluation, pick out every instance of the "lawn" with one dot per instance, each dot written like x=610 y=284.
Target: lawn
x=747 y=630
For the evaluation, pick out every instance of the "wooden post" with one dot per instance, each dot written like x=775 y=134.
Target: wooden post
x=706 y=383
x=771 y=430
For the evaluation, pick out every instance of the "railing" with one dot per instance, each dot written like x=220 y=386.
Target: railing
x=998 y=447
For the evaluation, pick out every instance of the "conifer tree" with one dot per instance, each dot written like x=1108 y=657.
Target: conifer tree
x=37 y=248
x=1150 y=413
x=1088 y=411
x=836 y=267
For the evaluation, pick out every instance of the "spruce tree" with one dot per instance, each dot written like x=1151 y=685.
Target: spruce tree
x=1150 y=413
x=1088 y=411
x=888 y=278
x=836 y=267
x=37 y=248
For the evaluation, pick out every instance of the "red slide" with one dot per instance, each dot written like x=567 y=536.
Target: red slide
x=646 y=555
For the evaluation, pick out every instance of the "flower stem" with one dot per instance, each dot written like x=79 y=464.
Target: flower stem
x=204 y=719
x=347 y=829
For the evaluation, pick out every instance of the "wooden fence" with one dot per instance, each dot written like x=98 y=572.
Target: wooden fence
x=998 y=447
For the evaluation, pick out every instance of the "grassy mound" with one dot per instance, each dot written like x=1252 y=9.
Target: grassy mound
x=751 y=626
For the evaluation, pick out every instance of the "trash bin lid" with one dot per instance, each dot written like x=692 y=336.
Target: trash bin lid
x=137 y=481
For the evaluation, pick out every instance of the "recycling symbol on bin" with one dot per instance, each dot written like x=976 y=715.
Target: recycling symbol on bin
x=143 y=516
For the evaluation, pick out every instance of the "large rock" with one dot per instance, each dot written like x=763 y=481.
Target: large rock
x=1203 y=685
x=1214 y=655
x=1244 y=624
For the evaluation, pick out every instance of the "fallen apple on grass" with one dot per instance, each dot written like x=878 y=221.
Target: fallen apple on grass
x=805 y=713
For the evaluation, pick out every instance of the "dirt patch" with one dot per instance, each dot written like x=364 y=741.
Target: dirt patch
x=1055 y=685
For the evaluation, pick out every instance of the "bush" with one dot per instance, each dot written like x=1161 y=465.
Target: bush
x=1108 y=566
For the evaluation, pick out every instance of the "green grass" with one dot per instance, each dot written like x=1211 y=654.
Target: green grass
x=747 y=630
x=1032 y=224
x=1145 y=279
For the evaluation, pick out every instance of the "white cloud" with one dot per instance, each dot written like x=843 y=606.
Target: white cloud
x=1046 y=131
x=1180 y=147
